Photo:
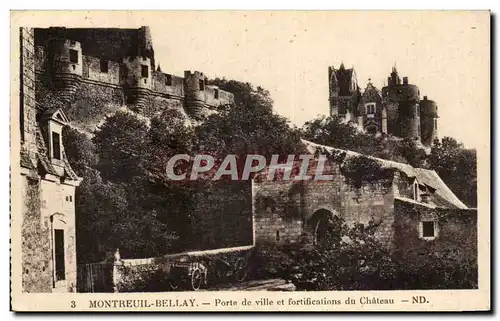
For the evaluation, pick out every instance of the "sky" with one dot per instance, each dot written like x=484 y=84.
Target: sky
x=445 y=53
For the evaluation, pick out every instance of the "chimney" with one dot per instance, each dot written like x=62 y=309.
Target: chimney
x=405 y=80
x=425 y=97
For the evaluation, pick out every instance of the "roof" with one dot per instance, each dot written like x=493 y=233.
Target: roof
x=344 y=78
x=371 y=94
x=442 y=197
x=43 y=159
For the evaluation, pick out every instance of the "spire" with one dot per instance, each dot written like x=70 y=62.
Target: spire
x=342 y=66
x=159 y=68
x=394 y=68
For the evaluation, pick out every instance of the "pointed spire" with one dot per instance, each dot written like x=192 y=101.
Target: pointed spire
x=394 y=68
x=342 y=65
x=159 y=68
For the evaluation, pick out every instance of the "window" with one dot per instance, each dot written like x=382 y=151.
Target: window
x=202 y=85
x=56 y=145
x=370 y=109
x=415 y=192
x=268 y=203
x=418 y=110
x=104 y=65
x=428 y=229
x=435 y=123
x=277 y=235
x=144 y=71
x=59 y=255
x=216 y=94
x=72 y=42
x=168 y=80
x=73 y=56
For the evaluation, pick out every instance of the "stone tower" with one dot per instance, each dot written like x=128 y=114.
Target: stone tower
x=344 y=92
x=194 y=88
x=428 y=121
x=64 y=64
x=401 y=101
x=137 y=81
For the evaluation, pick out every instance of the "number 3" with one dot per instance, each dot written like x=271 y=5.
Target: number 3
x=73 y=304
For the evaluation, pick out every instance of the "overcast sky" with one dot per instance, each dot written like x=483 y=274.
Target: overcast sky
x=445 y=53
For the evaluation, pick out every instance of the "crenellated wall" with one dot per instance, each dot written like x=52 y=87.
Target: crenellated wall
x=119 y=74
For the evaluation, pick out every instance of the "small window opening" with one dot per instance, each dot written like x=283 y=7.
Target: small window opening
x=277 y=235
x=428 y=229
x=370 y=109
x=415 y=192
x=144 y=71
x=73 y=56
x=216 y=94
x=168 y=80
x=56 y=145
x=59 y=255
x=104 y=65
x=435 y=124
x=202 y=85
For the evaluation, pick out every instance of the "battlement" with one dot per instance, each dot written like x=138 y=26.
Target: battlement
x=401 y=93
x=118 y=58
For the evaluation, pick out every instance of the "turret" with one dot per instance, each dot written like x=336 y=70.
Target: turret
x=194 y=88
x=401 y=99
x=428 y=121
x=137 y=80
x=64 y=62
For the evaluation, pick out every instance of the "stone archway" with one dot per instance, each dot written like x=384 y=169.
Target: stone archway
x=319 y=224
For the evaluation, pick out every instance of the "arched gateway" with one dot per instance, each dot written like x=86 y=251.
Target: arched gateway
x=320 y=222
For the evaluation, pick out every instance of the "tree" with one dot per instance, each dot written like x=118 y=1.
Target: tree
x=247 y=127
x=121 y=142
x=333 y=131
x=79 y=149
x=457 y=166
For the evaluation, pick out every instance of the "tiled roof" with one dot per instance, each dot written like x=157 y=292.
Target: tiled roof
x=43 y=157
x=442 y=196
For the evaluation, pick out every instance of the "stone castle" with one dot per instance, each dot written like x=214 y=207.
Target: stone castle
x=117 y=66
x=397 y=110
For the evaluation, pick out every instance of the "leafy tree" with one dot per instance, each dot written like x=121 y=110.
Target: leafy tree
x=247 y=127
x=121 y=142
x=457 y=166
x=79 y=149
